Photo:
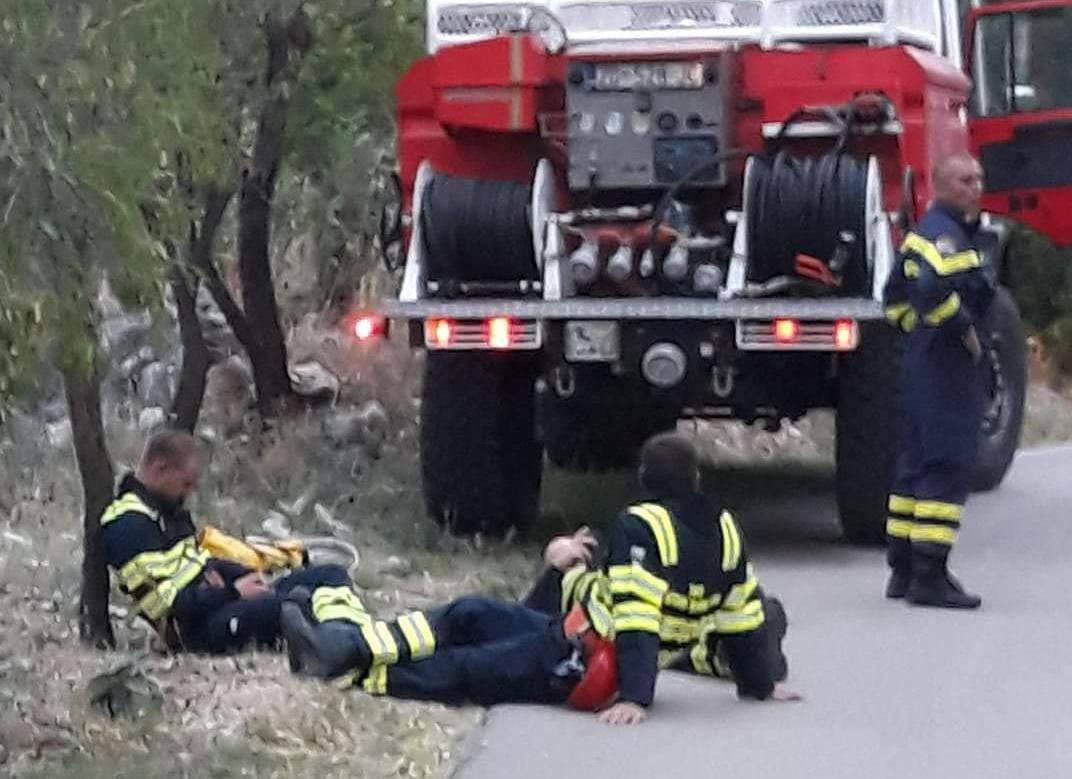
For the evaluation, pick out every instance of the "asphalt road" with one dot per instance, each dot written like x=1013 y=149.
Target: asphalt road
x=891 y=691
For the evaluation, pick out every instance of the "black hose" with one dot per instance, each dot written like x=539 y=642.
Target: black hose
x=801 y=206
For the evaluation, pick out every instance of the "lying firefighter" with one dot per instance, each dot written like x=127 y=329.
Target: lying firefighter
x=677 y=591
x=195 y=600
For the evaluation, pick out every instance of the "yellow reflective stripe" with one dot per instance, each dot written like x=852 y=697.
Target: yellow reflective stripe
x=634 y=580
x=937 y=509
x=961 y=261
x=740 y=621
x=339 y=603
x=637 y=625
x=158 y=602
x=944 y=311
x=679 y=630
x=418 y=634
x=899 y=504
x=895 y=311
x=375 y=682
x=600 y=618
x=149 y=566
x=635 y=615
x=700 y=661
x=731 y=542
x=123 y=504
x=740 y=593
x=934 y=534
x=899 y=528
x=384 y=632
x=911 y=269
x=944 y=265
x=662 y=527
x=667 y=657
x=569 y=584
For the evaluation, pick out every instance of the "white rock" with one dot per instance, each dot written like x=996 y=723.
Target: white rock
x=151 y=418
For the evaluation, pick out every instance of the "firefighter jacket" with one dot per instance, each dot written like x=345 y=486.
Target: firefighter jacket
x=941 y=285
x=677 y=591
x=151 y=545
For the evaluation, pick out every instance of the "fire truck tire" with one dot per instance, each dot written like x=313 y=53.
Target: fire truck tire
x=584 y=438
x=868 y=428
x=480 y=462
x=1005 y=366
x=477 y=230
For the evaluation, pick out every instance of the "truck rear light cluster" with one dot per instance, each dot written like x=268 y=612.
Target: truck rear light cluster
x=498 y=333
x=841 y=335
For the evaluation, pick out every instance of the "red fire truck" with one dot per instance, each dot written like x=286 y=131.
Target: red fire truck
x=1021 y=110
x=620 y=213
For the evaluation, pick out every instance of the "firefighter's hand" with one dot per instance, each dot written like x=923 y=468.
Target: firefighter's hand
x=564 y=552
x=973 y=345
x=213 y=579
x=623 y=713
x=782 y=695
x=251 y=585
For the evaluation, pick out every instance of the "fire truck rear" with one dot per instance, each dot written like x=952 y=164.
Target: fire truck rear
x=620 y=213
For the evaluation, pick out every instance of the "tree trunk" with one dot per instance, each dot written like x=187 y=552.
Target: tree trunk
x=95 y=468
x=186 y=406
x=269 y=354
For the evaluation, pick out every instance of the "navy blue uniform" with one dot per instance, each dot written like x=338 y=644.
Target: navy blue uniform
x=940 y=288
x=151 y=544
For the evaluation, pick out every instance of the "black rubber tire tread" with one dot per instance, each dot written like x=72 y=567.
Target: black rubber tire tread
x=868 y=431
x=480 y=463
x=995 y=452
x=584 y=438
x=477 y=230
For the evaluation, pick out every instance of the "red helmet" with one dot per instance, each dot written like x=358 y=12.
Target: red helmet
x=599 y=684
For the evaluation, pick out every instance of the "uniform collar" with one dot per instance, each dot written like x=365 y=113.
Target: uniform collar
x=131 y=483
x=957 y=215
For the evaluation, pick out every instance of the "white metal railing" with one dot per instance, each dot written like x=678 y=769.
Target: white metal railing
x=770 y=22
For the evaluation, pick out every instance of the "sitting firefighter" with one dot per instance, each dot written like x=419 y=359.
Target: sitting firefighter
x=937 y=294
x=678 y=591
x=195 y=601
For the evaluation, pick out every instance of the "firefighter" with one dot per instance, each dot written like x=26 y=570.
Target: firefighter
x=194 y=601
x=937 y=295
x=678 y=591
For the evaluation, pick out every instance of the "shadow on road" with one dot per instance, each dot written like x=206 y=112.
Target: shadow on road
x=783 y=507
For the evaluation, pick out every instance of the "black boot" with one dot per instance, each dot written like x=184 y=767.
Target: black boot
x=933 y=585
x=777 y=623
x=899 y=557
x=324 y=650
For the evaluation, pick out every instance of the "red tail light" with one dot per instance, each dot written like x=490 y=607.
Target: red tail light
x=786 y=331
x=845 y=334
x=498 y=332
x=440 y=332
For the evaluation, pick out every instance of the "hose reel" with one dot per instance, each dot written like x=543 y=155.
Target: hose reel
x=814 y=218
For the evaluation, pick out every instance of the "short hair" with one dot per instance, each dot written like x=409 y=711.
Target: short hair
x=173 y=448
x=943 y=166
x=668 y=464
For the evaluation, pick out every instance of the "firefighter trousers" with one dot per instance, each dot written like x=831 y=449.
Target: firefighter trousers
x=485 y=652
x=943 y=402
x=241 y=623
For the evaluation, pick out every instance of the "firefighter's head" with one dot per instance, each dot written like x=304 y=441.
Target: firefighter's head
x=669 y=465
x=958 y=182
x=170 y=466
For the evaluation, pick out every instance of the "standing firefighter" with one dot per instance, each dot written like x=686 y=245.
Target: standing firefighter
x=936 y=295
x=678 y=590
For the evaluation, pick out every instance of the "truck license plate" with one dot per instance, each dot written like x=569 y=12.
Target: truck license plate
x=592 y=342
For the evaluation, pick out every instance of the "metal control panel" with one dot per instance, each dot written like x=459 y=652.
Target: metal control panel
x=646 y=124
